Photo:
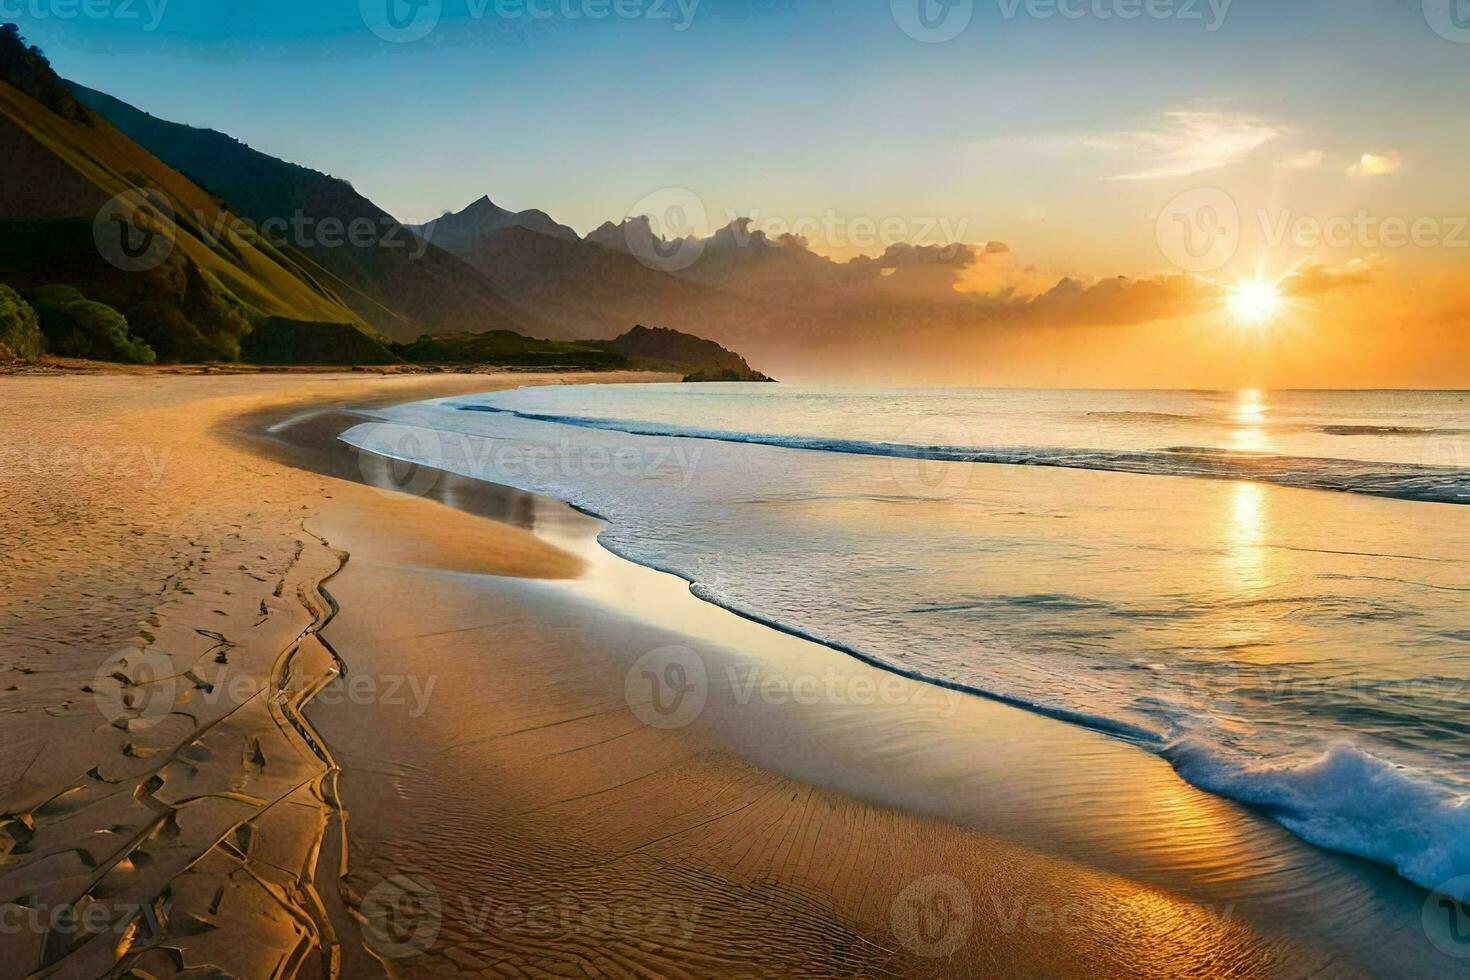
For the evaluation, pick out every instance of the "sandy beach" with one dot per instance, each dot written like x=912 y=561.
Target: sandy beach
x=264 y=719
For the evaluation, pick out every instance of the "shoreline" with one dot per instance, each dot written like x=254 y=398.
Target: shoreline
x=578 y=534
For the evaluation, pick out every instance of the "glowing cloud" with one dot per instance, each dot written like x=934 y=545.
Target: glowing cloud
x=1184 y=142
x=1376 y=165
x=1310 y=160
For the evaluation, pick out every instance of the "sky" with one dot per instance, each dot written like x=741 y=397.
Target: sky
x=1095 y=138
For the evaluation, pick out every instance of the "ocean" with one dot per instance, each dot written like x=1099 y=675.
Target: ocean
x=1267 y=589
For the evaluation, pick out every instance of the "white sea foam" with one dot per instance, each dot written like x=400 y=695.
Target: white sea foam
x=1346 y=800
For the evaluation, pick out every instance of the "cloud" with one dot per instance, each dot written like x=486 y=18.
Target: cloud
x=1120 y=301
x=903 y=255
x=1313 y=278
x=1377 y=165
x=1185 y=142
x=1309 y=160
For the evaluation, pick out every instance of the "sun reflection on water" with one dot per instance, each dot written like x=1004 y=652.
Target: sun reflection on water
x=1245 y=533
x=1249 y=417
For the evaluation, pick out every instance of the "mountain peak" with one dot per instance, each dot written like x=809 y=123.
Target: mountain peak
x=482 y=206
x=459 y=230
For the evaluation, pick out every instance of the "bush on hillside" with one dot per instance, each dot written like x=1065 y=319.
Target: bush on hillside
x=173 y=337
x=277 y=340
x=20 y=328
x=77 y=327
x=35 y=253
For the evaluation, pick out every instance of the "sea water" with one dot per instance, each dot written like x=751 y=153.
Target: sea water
x=1269 y=589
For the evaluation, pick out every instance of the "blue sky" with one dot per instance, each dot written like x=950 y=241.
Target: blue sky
x=1017 y=129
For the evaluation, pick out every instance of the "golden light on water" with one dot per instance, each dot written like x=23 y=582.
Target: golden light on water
x=1249 y=416
x=1255 y=302
x=1245 y=533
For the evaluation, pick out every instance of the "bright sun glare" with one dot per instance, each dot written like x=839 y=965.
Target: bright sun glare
x=1254 y=301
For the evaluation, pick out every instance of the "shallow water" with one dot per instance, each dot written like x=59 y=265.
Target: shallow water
x=1303 y=651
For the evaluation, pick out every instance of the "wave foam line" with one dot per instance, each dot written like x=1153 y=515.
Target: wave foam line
x=1346 y=800
x=1400 y=481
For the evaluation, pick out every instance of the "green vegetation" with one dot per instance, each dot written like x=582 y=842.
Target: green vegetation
x=640 y=349
x=20 y=328
x=723 y=374
x=178 y=309
x=662 y=349
x=281 y=341
x=28 y=70
x=78 y=327
x=508 y=349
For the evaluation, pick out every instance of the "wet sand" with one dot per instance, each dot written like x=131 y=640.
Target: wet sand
x=543 y=760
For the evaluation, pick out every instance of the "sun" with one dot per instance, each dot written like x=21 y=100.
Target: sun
x=1255 y=301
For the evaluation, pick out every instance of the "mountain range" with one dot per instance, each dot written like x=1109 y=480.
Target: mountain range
x=391 y=280
x=261 y=239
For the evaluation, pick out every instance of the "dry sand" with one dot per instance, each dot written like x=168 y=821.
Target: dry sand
x=483 y=792
x=158 y=638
